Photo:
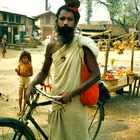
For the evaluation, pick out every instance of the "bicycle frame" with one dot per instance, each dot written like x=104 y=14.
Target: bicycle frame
x=28 y=116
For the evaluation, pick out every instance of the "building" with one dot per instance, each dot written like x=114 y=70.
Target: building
x=101 y=26
x=14 y=23
x=46 y=22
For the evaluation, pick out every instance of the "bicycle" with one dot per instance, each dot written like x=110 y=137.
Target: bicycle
x=14 y=129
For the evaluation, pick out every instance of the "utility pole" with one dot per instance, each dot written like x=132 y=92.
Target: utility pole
x=46 y=5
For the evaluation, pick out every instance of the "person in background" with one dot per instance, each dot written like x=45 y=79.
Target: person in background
x=24 y=71
x=3 y=45
x=68 y=54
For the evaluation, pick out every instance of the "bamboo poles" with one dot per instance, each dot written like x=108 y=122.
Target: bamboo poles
x=107 y=54
x=132 y=53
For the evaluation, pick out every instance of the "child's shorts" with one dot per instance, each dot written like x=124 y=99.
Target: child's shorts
x=24 y=81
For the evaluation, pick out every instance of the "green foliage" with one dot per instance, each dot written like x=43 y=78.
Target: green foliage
x=122 y=12
x=89 y=4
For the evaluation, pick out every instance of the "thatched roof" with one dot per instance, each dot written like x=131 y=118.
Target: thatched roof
x=93 y=29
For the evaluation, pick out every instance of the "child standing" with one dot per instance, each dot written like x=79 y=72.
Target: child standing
x=3 y=45
x=24 y=70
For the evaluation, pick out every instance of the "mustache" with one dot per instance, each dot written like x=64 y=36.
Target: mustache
x=65 y=30
x=65 y=33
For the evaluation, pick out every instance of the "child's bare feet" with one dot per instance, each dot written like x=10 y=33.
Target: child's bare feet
x=19 y=113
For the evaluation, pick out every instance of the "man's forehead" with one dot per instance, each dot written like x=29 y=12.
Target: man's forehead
x=64 y=13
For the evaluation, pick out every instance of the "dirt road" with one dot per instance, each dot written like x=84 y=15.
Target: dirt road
x=122 y=115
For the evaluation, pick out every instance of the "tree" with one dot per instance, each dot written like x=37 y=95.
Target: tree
x=89 y=10
x=122 y=12
x=47 y=5
x=88 y=4
x=137 y=7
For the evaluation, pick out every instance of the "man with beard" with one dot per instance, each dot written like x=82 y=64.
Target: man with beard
x=68 y=54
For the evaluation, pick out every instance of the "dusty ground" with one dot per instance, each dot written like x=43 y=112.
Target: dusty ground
x=122 y=120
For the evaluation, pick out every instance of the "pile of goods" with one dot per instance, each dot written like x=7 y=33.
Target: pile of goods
x=30 y=43
x=116 y=75
x=126 y=42
x=118 y=46
x=109 y=76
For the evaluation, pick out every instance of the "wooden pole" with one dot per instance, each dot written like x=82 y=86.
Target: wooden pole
x=107 y=55
x=132 y=53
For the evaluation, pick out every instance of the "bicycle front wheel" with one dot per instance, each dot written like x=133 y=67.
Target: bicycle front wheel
x=95 y=118
x=12 y=129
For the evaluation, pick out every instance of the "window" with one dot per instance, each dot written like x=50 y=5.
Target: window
x=4 y=17
x=18 y=19
x=11 y=18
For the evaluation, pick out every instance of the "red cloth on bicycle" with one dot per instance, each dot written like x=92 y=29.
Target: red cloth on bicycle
x=90 y=96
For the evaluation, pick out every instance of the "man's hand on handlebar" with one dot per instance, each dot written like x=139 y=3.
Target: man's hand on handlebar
x=30 y=91
x=65 y=98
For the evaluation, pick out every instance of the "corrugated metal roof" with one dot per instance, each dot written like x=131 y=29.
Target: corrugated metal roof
x=13 y=11
x=46 y=12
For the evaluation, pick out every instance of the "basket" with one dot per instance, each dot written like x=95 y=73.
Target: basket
x=111 y=83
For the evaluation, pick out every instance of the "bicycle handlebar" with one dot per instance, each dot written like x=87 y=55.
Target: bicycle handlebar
x=35 y=103
x=52 y=98
x=56 y=97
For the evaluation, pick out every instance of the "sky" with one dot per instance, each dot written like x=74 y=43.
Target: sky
x=36 y=7
x=31 y=7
